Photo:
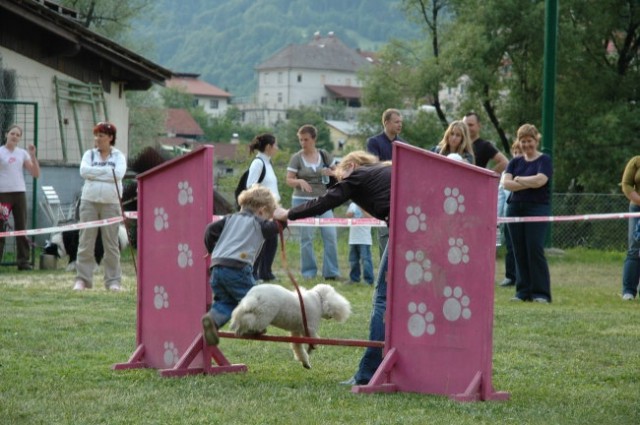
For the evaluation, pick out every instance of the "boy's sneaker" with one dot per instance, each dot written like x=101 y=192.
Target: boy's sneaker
x=209 y=330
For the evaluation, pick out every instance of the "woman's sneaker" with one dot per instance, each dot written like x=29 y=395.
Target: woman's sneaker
x=628 y=297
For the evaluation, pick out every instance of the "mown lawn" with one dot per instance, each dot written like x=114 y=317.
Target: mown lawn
x=572 y=362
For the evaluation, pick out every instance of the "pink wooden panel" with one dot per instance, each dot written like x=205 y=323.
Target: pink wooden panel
x=441 y=270
x=175 y=203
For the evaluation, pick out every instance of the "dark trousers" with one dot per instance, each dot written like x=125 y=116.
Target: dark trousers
x=509 y=258
x=264 y=260
x=528 y=247
x=18 y=202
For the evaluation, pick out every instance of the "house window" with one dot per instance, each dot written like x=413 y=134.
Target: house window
x=299 y=78
x=195 y=103
x=323 y=100
x=266 y=78
x=323 y=79
x=279 y=97
x=279 y=77
x=213 y=103
x=348 y=82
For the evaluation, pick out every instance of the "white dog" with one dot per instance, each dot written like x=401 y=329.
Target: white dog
x=269 y=304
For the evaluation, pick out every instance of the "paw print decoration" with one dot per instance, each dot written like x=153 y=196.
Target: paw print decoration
x=417 y=220
x=161 y=219
x=454 y=201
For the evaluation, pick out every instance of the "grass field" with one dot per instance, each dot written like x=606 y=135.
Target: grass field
x=575 y=361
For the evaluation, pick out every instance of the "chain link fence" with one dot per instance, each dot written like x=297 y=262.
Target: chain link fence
x=596 y=234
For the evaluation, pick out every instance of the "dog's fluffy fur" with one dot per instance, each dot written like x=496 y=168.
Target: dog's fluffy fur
x=63 y=244
x=269 y=304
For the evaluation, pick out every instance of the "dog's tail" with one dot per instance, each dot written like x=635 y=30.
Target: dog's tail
x=245 y=318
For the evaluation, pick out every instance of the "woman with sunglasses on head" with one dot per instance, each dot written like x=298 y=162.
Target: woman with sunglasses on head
x=13 y=160
x=102 y=169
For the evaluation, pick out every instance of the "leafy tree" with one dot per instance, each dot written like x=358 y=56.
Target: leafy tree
x=146 y=120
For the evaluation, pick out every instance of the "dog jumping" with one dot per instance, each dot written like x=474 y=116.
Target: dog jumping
x=269 y=304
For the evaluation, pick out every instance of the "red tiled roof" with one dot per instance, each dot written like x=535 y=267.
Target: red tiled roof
x=344 y=92
x=224 y=151
x=196 y=87
x=180 y=122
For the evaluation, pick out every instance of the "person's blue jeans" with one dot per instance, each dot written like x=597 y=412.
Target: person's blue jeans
x=372 y=357
x=527 y=241
x=308 y=267
x=360 y=254
x=631 y=268
x=229 y=286
x=509 y=257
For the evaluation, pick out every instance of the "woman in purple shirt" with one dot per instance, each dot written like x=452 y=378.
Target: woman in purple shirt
x=528 y=177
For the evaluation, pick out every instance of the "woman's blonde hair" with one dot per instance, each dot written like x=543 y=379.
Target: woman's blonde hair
x=465 y=144
x=356 y=158
x=528 y=130
x=256 y=197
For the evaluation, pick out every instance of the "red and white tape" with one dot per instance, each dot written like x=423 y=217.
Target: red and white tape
x=323 y=222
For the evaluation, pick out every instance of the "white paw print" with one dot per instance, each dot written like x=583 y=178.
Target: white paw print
x=418 y=269
x=185 y=256
x=416 y=220
x=161 y=221
x=458 y=251
x=454 y=201
x=456 y=305
x=421 y=320
x=161 y=297
x=170 y=353
x=185 y=193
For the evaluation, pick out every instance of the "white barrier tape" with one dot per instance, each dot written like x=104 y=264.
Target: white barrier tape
x=582 y=217
x=74 y=226
x=323 y=222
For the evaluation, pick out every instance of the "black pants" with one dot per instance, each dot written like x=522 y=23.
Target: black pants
x=264 y=261
x=18 y=202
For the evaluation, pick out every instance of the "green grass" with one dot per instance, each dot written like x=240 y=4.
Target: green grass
x=572 y=362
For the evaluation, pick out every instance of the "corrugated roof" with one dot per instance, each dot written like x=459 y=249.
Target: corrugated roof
x=192 y=85
x=320 y=53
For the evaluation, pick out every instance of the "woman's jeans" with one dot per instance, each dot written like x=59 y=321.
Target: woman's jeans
x=308 y=267
x=360 y=254
x=373 y=356
x=229 y=285
x=631 y=269
x=528 y=247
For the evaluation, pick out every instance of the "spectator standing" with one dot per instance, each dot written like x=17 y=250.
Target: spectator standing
x=308 y=174
x=509 y=259
x=381 y=145
x=359 y=248
x=456 y=140
x=102 y=169
x=483 y=150
x=631 y=267
x=267 y=147
x=528 y=177
x=13 y=159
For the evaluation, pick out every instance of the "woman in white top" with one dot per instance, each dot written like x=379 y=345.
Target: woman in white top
x=13 y=160
x=102 y=168
x=267 y=146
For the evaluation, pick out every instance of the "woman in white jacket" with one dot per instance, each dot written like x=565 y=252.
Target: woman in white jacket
x=102 y=168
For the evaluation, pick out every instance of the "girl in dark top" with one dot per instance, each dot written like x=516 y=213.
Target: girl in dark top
x=528 y=177
x=367 y=182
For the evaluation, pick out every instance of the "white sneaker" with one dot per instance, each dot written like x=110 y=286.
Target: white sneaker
x=79 y=286
x=627 y=297
x=115 y=287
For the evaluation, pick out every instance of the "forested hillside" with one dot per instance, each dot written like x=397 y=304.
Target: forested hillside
x=224 y=40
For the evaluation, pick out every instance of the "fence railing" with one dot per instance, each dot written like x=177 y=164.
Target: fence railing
x=598 y=234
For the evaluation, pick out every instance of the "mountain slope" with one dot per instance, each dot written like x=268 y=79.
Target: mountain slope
x=225 y=40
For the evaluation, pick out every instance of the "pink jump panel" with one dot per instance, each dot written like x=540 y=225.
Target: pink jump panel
x=440 y=295
x=175 y=203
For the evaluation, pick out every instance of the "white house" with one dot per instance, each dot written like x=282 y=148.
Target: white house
x=316 y=73
x=214 y=100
